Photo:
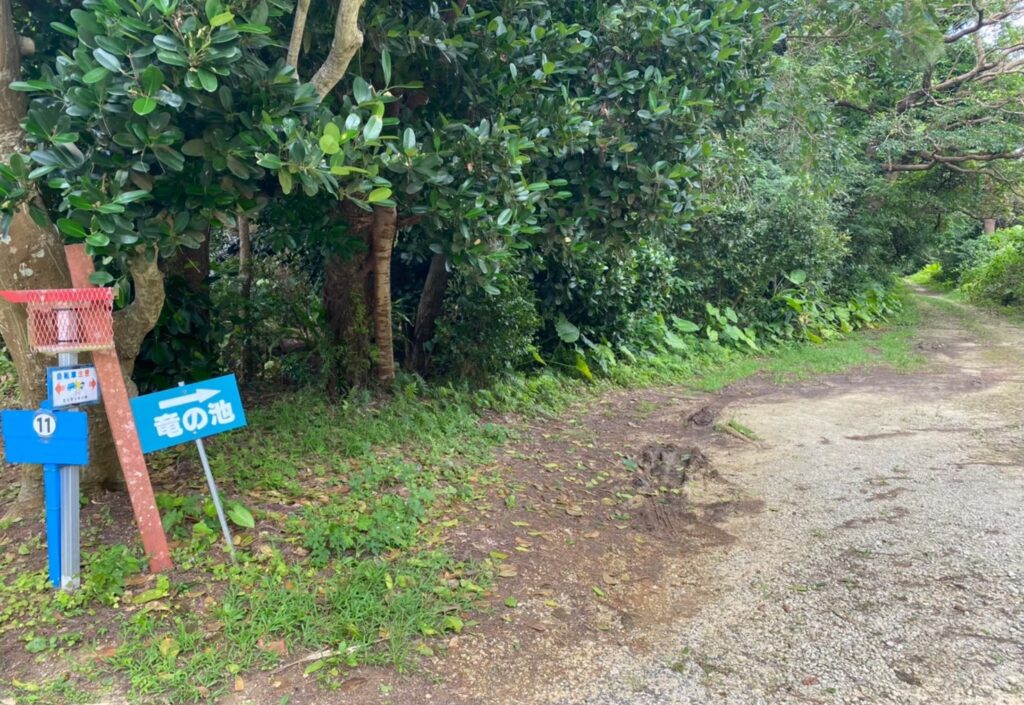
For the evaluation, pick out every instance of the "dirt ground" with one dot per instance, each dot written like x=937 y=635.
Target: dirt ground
x=867 y=546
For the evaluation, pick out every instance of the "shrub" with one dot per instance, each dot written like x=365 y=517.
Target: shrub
x=479 y=334
x=998 y=274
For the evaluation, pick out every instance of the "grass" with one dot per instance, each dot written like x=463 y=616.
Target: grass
x=931 y=276
x=343 y=542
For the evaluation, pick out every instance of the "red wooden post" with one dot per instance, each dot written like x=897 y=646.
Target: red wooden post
x=122 y=425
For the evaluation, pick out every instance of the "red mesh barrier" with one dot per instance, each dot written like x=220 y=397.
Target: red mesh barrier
x=67 y=320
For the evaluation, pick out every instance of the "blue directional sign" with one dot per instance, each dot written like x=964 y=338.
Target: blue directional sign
x=46 y=437
x=188 y=413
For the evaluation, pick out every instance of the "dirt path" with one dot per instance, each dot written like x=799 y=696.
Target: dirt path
x=868 y=549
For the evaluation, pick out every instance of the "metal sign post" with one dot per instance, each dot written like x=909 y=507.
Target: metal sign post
x=191 y=412
x=55 y=440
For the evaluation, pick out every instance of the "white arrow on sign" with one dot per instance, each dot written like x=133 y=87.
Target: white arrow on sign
x=196 y=397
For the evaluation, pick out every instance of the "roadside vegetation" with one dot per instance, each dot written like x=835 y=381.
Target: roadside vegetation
x=406 y=225
x=343 y=516
x=986 y=269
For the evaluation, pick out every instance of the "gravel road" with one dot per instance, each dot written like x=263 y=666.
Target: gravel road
x=888 y=566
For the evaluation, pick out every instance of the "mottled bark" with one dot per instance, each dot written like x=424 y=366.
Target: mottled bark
x=347 y=40
x=427 y=313
x=385 y=226
x=298 y=29
x=348 y=297
x=30 y=258
x=245 y=273
x=990 y=225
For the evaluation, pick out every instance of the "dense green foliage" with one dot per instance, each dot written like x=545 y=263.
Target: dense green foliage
x=588 y=171
x=987 y=269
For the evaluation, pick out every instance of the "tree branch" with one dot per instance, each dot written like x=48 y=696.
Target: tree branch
x=852 y=106
x=298 y=28
x=133 y=322
x=347 y=40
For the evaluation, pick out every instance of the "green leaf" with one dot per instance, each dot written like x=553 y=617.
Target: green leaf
x=684 y=326
x=314 y=667
x=675 y=342
x=361 y=90
x=222 y=18
x=127 y=197
x=71 y=228
x=797 y=276
x=107 y=60
x=385 y=63
x=329 y=144
x=208 y=80
x=248 y=28
x=28 y=86
x=95 y=76
x=408 y=140
x=270 y=161
x=152 y=80
x=504 y=218
x=583 y=367
x=241 y=516
x=371 y=130
x=144 y=105
x=452 y=623
x=284 y=177
x=194 y=147
x=567 y=332
x=379 y=194
x=156 y=593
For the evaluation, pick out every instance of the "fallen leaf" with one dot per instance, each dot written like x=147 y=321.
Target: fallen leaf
x=591 y=534
x=350 y=684
x=277 y=647
x=537 y=626
x=507 y=571
x=520 y=523
x=105 y=652
x=809 y=680
x=239 y=684
x=139 y=580
x=574 y=511
x=150 y=595
x=609 y=579
x=169 y=648
x=498 y=555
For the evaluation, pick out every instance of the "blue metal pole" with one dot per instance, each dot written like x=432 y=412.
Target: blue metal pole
x=51 y=488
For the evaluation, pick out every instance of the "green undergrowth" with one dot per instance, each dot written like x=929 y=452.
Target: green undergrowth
x=341 y=514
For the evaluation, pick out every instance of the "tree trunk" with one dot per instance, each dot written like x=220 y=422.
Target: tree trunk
x=427 y=313
x=990 y=225
x=245 y=271
x=385 y=225
x=32 y=257
x=348 y=293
